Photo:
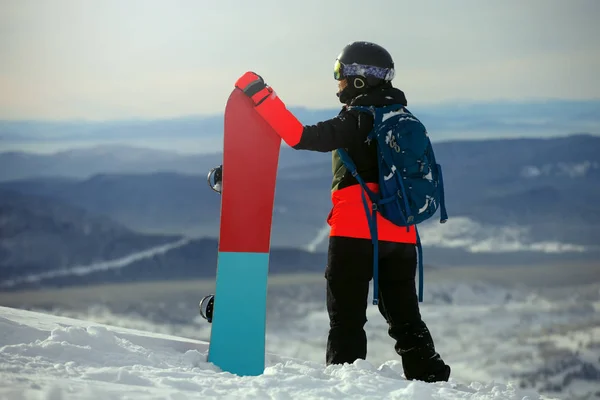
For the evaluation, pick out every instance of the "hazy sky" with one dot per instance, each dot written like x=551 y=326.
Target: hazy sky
x=147 y=58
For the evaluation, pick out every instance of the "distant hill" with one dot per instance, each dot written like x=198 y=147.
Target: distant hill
x=118 y=159
x=193 y=260
x=45 y=242
x=511 y=202
x=39 y=234
x=178 y=204
x=549 y=187
x=447 y=119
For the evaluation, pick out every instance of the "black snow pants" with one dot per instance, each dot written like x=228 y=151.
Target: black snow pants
x=348 y=273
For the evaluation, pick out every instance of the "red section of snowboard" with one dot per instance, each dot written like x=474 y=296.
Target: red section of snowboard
x=250 y=158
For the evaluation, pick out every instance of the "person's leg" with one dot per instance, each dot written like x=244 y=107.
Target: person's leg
x=398 y=303
x=349 y=271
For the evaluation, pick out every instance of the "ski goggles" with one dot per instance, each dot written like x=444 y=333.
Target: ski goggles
x=340 y=71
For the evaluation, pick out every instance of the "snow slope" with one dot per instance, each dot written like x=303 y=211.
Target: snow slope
x=476 y=237
x=50 y=357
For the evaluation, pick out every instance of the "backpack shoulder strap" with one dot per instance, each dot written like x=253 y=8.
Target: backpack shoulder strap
x=377 y=112
x=370 y=109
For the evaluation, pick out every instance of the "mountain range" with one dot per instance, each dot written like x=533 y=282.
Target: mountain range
x=510 y=201
x=455 y=120
x=46 y=242
x=548 y=184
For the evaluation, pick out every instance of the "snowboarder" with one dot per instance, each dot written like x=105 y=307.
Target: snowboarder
x=364 y=71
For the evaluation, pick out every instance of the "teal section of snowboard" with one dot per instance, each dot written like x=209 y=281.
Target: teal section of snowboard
x=237 y=341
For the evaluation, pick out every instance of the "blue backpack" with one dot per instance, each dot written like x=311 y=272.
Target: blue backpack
x=411 y=188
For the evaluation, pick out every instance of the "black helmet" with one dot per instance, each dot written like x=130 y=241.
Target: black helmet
x=365 y=65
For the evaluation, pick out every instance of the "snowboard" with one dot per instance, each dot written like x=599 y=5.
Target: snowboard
x=250 y=159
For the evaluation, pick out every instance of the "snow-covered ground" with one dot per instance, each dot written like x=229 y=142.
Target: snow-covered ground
x=542 y=334
x=49 y=357
x=547 y=339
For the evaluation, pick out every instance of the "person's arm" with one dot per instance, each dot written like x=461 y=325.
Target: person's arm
x=345 y=130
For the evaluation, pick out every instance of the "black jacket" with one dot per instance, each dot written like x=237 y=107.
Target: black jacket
x=349 y=130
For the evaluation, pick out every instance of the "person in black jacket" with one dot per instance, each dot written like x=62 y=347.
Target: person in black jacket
x=364 y=71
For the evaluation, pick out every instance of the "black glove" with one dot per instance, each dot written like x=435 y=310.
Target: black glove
x=254 y=86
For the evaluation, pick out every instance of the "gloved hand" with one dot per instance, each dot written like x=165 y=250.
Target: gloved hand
x=271 y=108
x=254 y=86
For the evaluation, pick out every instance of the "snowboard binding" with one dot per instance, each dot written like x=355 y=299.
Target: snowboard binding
x=206 y=307
x=215 y=178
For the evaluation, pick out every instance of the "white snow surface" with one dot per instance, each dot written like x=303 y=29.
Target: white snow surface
x=50 y=357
